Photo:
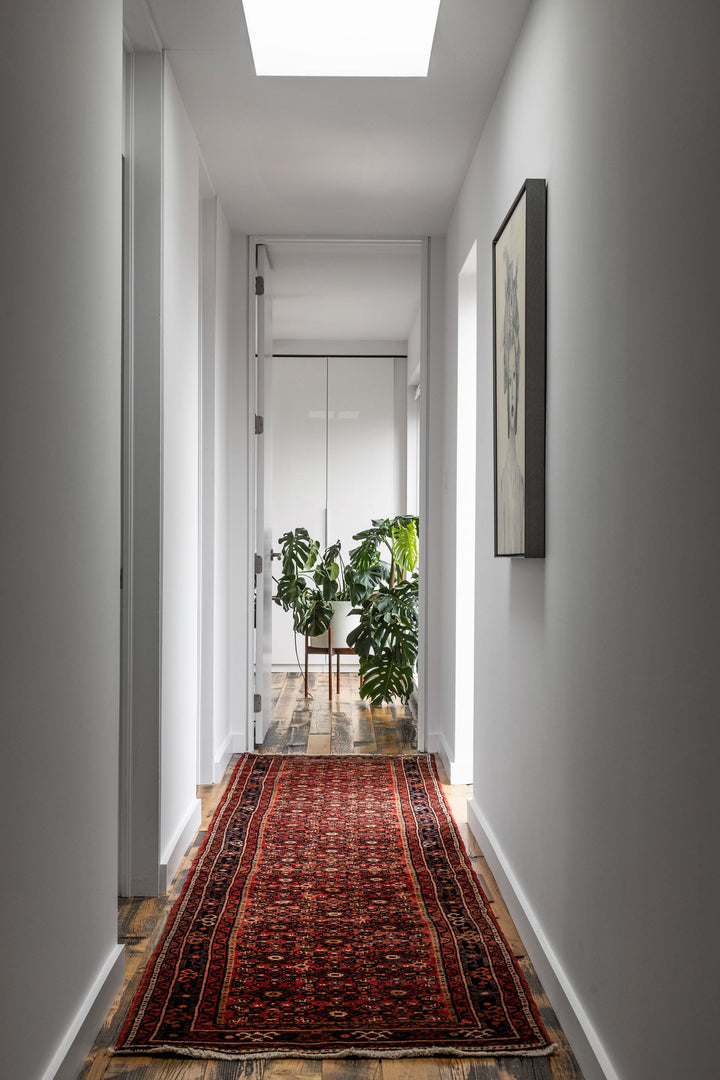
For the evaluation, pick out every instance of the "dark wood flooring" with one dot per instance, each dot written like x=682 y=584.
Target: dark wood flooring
x=312 y=726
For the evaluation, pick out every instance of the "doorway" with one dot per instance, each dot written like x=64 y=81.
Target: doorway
x=343 y=433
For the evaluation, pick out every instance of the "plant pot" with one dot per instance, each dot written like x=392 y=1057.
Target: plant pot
x=342 y=623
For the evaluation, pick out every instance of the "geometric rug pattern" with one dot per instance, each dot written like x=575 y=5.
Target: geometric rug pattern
x=332 y=911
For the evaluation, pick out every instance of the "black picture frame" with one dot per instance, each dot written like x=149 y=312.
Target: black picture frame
x=519 y=374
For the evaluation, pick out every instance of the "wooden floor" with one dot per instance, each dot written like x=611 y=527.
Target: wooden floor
x=314 y=725
x=311 y=726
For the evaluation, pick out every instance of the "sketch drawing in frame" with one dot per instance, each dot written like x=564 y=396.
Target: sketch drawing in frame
x=519 y=339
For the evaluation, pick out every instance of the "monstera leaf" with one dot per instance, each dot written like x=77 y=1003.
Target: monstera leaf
x=386 y=640
x=308 y=581
x=405 y=544
x=299 y=552
x=397 y=536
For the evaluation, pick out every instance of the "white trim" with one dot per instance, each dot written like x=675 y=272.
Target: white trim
x=172 y=856
x=140 y=33
x=456 y=773
x=142 y=636
x=127 y=465
x=251 y=376
x=466 y=317
x=424 y=244
x=68 y=1059
x=584 y=1039
x=207 y=311
x=423 y=503
x=239 y=745
x=221 y=760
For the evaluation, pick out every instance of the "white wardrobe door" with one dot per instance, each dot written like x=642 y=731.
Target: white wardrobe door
x=360 y=480
x=299 y=479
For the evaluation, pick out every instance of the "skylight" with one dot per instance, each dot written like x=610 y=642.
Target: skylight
x=340 y=38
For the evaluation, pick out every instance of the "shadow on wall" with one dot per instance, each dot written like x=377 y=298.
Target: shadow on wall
x=527 y=591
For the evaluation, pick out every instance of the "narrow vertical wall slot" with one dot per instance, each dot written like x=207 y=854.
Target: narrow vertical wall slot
x=465 y=519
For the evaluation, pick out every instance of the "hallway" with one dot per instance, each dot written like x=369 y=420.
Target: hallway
x=310 y=725
x=595 y=690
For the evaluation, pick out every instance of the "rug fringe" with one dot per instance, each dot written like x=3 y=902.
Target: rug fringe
x=349 y=1052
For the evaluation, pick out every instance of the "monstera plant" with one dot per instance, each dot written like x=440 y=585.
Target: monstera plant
x=307 y=583
x=379 y=579
x=386 y=638
x=311 y=581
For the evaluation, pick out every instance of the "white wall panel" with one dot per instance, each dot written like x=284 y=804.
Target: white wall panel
x=361 y=444
x=180 y=469
x=597 y=741
x=334 y=429
x=299 y=434
x=60 y=274
x=225 y=288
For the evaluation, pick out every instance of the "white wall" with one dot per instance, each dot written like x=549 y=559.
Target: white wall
x=597 y=740
x=237 y=497
x=461 y=766
x=412 y=444
x=436 y=664
x=225 y=356
x=60 y=96
x=142 y=468
x=215 y=742
x=208 y=317
x=179 y=702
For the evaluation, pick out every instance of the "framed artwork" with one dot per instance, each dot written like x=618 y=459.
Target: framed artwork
x=519 y=333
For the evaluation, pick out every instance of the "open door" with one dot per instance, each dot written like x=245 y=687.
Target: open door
x=263 y=493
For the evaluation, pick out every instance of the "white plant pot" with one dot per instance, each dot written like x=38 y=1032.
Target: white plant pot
x=342 y=623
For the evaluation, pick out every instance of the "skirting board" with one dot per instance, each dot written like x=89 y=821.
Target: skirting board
x=457 y=774
x=172 y=856
x=576 y=1024
x=69 y=1057
x=221 y=761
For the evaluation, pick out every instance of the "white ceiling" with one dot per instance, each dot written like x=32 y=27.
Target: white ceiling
x=331 y=157
x=352 y=291
x=337 y=157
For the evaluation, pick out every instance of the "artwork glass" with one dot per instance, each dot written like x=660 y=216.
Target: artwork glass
x=510 y=384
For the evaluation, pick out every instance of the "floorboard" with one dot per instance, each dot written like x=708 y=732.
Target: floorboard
x=313 y=725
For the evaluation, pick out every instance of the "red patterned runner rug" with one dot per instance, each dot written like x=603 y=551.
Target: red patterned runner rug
x=332 y=911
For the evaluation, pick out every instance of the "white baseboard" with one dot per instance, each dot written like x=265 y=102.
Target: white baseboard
x=221 y=762
x=172 y=856
x=456 y=773
x=585 y=1041
x=77 y=1043
x=239 y=742
x=435 y=744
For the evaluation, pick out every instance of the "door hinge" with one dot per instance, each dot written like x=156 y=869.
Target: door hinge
x=258 y=564
x=257 y=703
x=259 y=285
x=259 y=425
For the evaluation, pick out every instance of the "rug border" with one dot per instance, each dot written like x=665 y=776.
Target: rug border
x=345 y=1052
x=488 y=904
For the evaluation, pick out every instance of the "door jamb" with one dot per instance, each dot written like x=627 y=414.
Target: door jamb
x=424 y=245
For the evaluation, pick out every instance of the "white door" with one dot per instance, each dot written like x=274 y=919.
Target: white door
x=361 y=447
x=263 y=487
x=299 y=470
x=334 y=461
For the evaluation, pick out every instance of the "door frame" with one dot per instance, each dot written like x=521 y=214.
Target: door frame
x=424 y=246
